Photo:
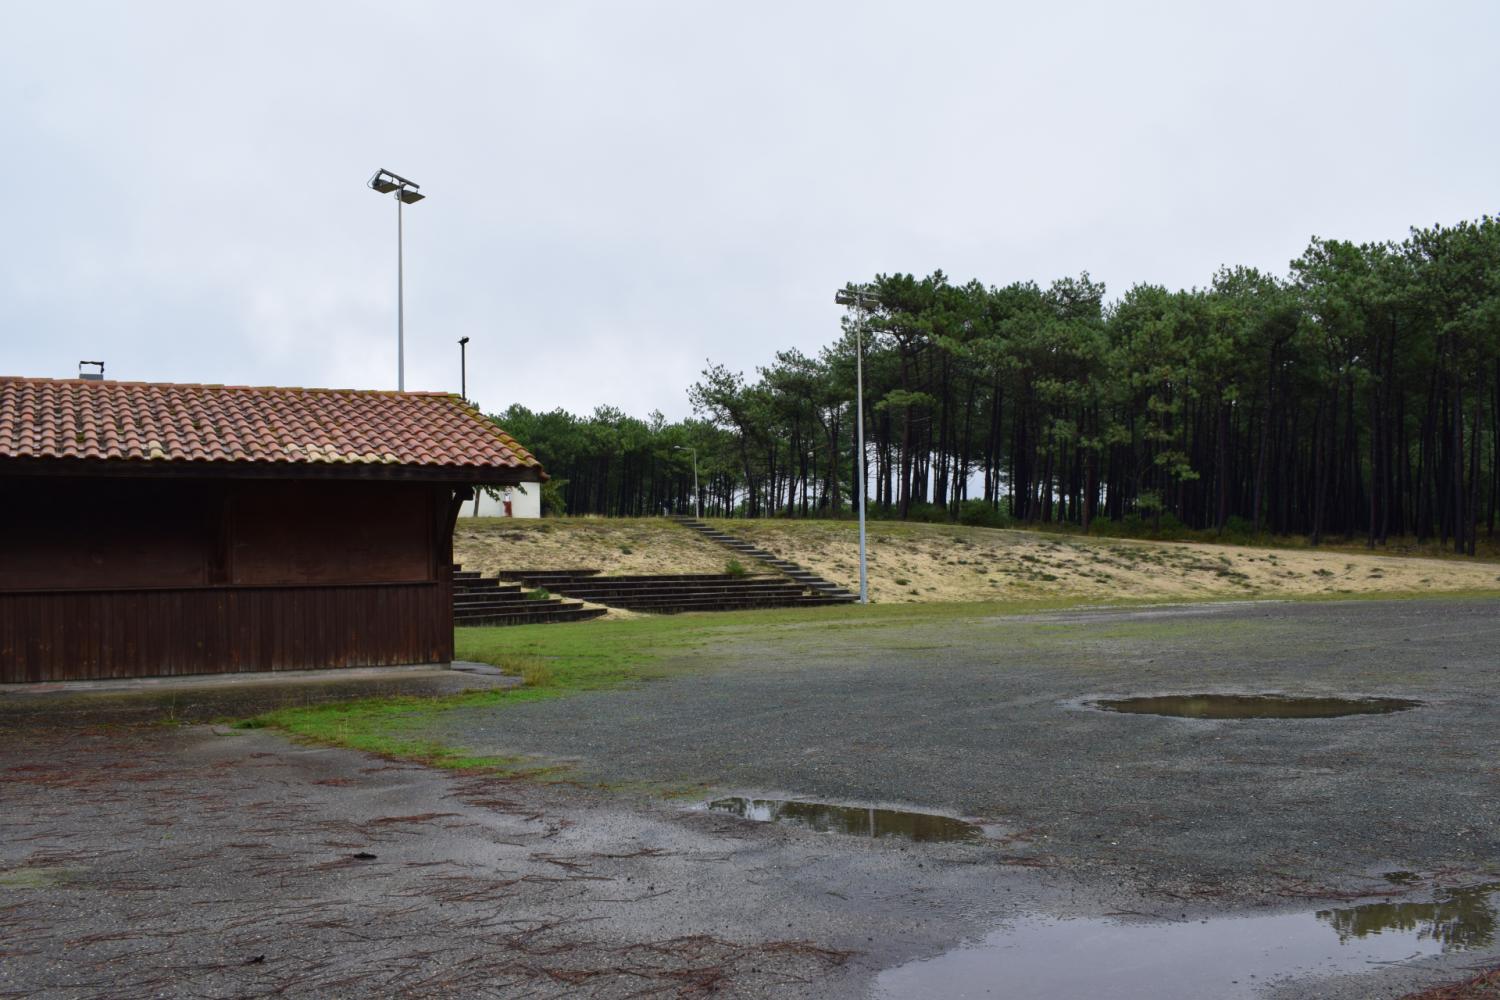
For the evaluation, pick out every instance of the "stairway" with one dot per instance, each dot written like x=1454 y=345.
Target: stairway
x=482 y=600
x=803 y=577
x=670 y=594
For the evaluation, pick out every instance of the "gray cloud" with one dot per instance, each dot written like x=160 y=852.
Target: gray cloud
x=619 y=191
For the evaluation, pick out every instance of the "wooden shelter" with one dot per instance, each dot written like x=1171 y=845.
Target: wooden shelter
x=157 y=529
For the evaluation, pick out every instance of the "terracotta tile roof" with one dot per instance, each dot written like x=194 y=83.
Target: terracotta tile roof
x=165 y=422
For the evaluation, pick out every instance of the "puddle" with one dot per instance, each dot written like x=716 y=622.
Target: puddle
x=857 y=821
x=1226 y=957
x=1254 y=706
x=1458 y=920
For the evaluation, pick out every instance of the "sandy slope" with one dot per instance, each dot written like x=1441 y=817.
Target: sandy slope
x=924 y=562
x=612 y=545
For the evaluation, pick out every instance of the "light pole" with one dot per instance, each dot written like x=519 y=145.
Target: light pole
x=862 y=301
x=697 y=497
x=463 y=368
x=406 y=191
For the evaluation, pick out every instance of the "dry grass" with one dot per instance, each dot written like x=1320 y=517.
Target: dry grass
x=926 y=562
x=933 y=562
x=617 y=546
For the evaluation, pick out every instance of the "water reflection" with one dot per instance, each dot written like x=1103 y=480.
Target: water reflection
x=856 y=821
x=1254 y=706
x=1460 y=919
x=1043 y=958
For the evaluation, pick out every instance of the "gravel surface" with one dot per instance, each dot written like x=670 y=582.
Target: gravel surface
x=207 y=862
x=990 y=719
x=189 y=861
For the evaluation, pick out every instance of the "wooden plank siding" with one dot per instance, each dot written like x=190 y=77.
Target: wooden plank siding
x=92 y=635
x=109 y=579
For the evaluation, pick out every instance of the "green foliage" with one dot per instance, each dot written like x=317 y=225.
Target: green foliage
x=983 y=514
x=554 y=501
x=1357 y=394
x=735 y=568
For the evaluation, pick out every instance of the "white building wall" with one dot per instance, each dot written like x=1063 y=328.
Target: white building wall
x=525 y=501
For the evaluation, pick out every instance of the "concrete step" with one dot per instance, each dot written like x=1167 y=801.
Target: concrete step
x=494 y=587
x=579 y=613
x=702 y=578
x=520 y=602
x=799 y=575
x=516 y=574
x=476 y=584
x=621 y=598
x=677 y=607
x=479 y=600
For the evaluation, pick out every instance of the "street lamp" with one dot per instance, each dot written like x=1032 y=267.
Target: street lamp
x=385 y=182
x=697 y=497
x=463 y=370
x=862 y=301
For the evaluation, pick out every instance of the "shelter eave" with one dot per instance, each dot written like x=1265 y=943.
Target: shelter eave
x=458 y=475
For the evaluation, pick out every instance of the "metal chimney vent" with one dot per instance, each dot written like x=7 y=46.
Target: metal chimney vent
x=97 y=376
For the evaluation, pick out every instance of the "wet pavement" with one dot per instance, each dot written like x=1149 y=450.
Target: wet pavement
x=1278 y=858
x=995 y=720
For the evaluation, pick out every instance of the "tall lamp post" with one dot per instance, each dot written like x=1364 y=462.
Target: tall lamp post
x=862 y=301
x=697 y=497
x=406 y=193
x=463 y=368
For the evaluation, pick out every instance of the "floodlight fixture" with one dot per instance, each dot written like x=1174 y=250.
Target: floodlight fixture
x=859 y=298
x=407 y=193
x=385 y=182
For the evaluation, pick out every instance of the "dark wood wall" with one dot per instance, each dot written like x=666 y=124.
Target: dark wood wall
x=120 y=578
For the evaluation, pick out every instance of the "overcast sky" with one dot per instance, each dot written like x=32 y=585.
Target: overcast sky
x=619 y=191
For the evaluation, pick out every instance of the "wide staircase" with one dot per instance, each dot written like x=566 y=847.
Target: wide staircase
x=482 y=600
x=670 y=594
x=798 y=574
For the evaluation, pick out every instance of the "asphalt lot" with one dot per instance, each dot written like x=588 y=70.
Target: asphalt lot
x=140 y=860
x=989 y=719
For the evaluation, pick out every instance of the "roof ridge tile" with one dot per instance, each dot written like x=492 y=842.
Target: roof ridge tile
x=118 y=421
